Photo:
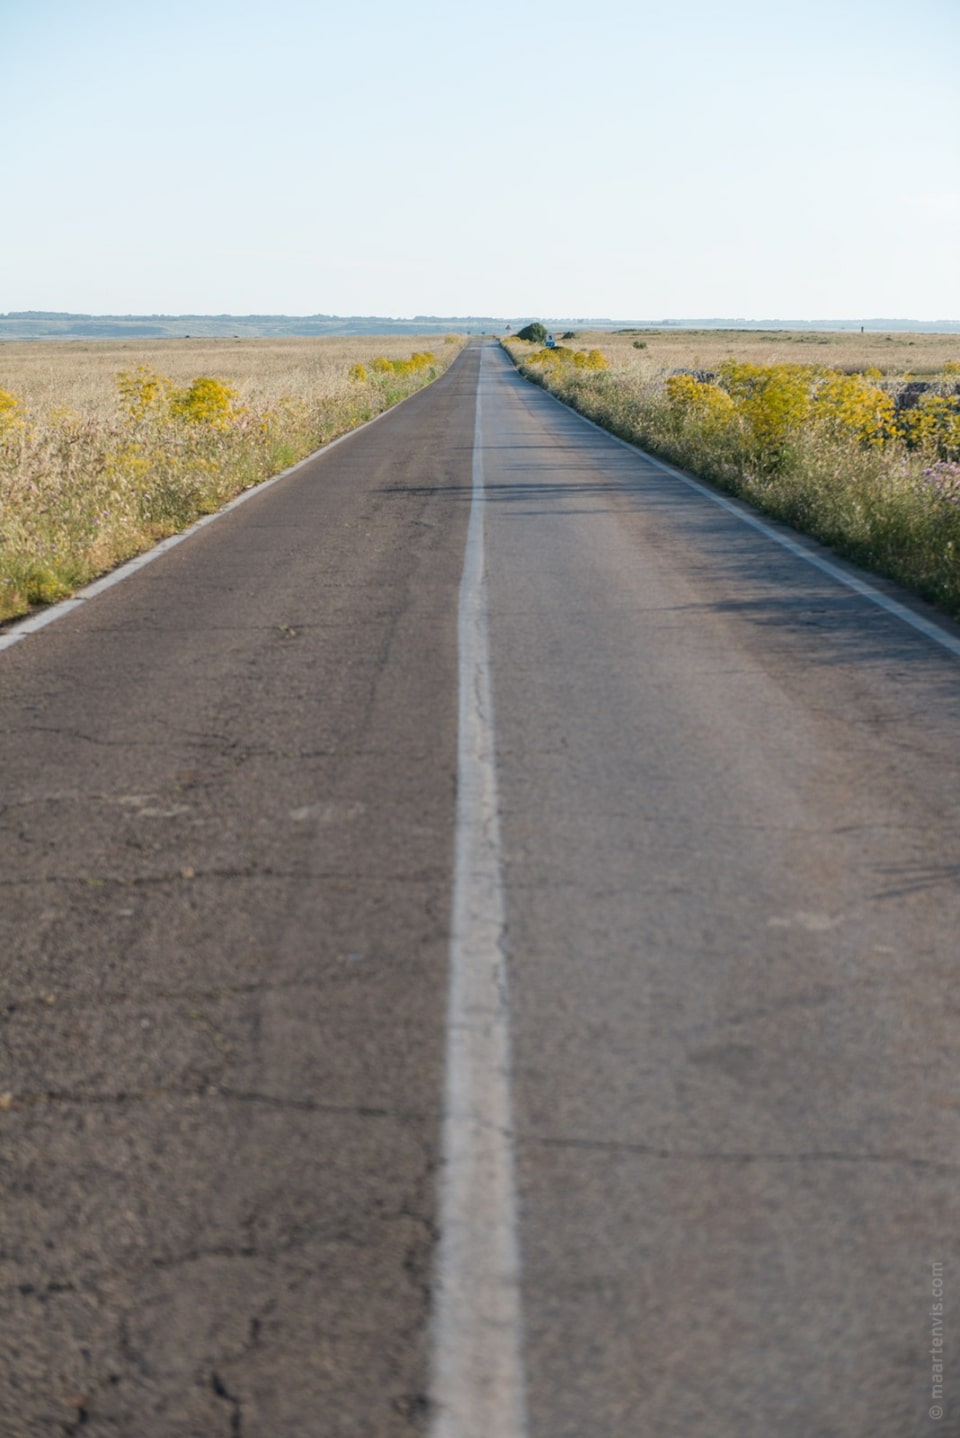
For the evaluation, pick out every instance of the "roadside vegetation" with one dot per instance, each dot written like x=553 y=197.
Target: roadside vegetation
x=106 y=448
x=838 y=436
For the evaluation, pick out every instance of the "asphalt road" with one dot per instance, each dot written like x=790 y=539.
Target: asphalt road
x=729 y=844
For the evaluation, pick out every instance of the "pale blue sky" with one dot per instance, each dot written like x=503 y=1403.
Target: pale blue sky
x=790 y=158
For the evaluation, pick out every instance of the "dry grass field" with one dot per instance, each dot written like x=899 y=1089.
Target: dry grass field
x=919 y=355
x=107 y=446
x=82 y=374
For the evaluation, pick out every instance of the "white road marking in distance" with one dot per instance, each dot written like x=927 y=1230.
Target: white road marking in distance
x=477 y=1387
x=927 y=627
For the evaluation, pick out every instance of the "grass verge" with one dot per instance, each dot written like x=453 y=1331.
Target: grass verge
x=866 y=463
x=102 y=454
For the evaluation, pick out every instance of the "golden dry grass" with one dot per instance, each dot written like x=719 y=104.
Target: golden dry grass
x=920 y=355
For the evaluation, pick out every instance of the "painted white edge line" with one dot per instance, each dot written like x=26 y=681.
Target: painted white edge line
x=859 y=586
x=42 y=617
x=477 y=1381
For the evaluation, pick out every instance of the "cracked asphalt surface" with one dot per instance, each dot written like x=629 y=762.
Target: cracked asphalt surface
x=730 y=820
x=225 y=831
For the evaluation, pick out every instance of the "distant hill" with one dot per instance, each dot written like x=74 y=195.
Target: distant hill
x=884 y=326
x=45 y=324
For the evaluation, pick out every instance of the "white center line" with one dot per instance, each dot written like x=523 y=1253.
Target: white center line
x=477 y=1388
